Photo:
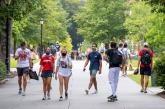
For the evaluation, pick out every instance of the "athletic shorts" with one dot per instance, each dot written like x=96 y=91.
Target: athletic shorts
x=93 y=73
x=21 y=71
x=145 y=71
x=46 y=74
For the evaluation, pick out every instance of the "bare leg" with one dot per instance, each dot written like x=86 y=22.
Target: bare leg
x=44 y=86
x=66 y=82
x=20 y=82
x=90 y=83
x=24 y=82
x=146 y=79
x=48 y=85
x=142 y=81
x=95 y=83
x=61 y=85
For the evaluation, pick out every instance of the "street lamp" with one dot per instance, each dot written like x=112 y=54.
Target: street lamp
x=41 y=22
x=7 y=60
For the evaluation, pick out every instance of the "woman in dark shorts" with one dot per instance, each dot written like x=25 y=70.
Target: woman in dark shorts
x=47 y=68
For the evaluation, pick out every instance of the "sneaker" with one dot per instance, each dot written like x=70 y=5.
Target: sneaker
x=112 y=99
x=109 y=97
x=49 y=98
x=145 y=91
x=66 y=95
x=95 y=92
x=44 y=98
x=23 y=93
x=87 y=92
x=61 y=98
x=20 y=91
x=141 y=90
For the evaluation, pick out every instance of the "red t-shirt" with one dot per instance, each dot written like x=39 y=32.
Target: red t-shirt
x=47 y=62
x=141 y=53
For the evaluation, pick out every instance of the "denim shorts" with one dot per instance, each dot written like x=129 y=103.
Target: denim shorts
x=46 y=74
x=21 y=71
x=93 y=73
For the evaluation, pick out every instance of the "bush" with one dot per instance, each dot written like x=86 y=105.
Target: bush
x=159 y=69
x=2 y=70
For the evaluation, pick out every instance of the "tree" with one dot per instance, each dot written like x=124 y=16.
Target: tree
x=102 y=20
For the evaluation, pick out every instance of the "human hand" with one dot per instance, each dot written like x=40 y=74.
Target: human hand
x=84 y=69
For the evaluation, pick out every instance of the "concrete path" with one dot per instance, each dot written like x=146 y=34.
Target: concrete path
x=128 y=94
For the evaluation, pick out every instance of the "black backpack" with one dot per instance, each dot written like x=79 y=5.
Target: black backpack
x=146 y=57
x=116 y=58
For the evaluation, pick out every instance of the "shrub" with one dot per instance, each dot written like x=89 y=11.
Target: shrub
x=159 y=69
x=2 y=70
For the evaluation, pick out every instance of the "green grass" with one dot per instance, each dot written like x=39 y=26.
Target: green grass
x=13 y=62
x=137 y=78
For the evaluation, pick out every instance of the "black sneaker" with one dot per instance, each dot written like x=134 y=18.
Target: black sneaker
x=112 y=99
x=44 y=98
x=109 y=97
x=61 y=98
x=66 y=95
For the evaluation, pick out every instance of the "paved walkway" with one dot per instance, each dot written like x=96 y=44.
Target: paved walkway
x=128 y=94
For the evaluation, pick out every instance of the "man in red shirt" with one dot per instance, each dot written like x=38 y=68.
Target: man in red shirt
x=145 y=63
x=47 y=68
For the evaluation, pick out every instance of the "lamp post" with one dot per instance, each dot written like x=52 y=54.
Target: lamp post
x=7 y=58
x=41 y=22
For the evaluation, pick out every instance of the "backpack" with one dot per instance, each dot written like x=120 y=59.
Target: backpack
x=116 y=58
x=146 y=57
x=125 y=54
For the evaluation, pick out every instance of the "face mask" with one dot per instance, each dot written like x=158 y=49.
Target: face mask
x=63 y=54
x=47 y=53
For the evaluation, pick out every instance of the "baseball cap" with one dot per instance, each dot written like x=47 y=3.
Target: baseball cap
x=145 y=44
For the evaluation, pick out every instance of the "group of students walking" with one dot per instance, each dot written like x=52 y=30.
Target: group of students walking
x=115 y=56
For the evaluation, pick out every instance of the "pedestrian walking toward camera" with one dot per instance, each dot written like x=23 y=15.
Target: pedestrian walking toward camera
x=95 y=60
x=114 y=57
x=145 y=62
x=24 y=63
x=63 y=71
x=46 y=70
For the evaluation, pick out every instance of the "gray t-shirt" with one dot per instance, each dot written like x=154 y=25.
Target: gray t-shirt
x=63 y=63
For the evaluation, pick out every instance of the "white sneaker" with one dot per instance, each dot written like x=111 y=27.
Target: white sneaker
x=23 y=93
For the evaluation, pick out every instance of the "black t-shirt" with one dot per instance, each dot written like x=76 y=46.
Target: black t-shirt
x=109 y=53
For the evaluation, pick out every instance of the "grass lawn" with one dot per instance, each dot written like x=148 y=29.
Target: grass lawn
x=13 y=62
x=136 y=78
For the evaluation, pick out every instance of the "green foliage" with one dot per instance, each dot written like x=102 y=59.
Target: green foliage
x=159 y=69
x=2 y=70
x=100 y=20
x=67 y=42
x=138 y=23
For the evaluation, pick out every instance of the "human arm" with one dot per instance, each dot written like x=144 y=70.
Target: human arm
x=86 y=63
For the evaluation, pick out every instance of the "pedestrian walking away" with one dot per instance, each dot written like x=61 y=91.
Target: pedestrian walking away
x=63 y=71
x=114 y=58
x=145 y=62
x=126 y=55
x=24 y=63
x=95 y=60
x=47 y=68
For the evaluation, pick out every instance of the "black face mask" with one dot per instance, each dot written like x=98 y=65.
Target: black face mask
x=63 y=54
